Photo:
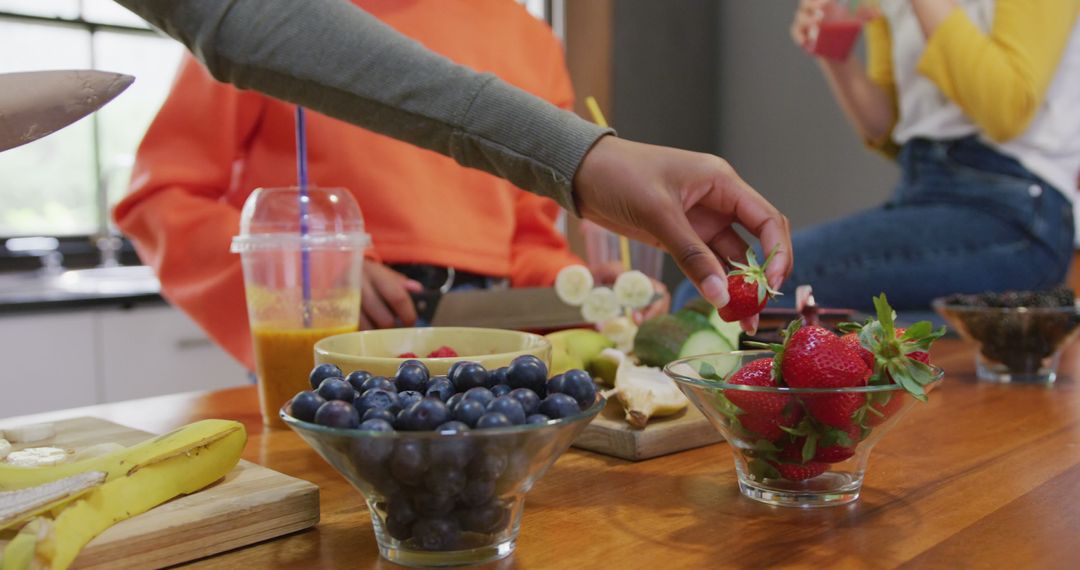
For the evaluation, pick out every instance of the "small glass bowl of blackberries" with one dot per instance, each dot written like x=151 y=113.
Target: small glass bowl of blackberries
x=444 y=462
x=1020 y=334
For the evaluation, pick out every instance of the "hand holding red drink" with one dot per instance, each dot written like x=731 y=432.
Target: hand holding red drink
x=829 y=28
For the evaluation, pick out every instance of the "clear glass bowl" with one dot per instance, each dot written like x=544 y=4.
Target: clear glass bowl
x=1021 y=344
x=760 y=448
x=439 y=499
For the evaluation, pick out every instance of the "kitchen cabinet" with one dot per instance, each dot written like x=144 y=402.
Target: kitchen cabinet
x=158 y=350
x=57 y=360
x=48 y=361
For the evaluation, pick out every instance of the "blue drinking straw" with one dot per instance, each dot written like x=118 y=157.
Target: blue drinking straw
x=302 y=175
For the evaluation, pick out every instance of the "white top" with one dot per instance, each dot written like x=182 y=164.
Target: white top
x=1050 y=147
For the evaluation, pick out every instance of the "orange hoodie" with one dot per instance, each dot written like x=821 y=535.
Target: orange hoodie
x=211 y=145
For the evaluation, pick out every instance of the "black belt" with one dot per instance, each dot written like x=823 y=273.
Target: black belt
x=437 y=281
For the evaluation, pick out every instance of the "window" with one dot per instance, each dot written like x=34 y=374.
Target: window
x=63 y=184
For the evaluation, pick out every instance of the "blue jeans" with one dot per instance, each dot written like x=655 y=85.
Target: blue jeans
x=963 y=219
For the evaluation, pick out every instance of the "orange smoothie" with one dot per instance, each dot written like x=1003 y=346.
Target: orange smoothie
x=283 y=361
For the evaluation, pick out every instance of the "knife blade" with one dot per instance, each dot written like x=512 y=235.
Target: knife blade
x=527 y=308
x=36 y=103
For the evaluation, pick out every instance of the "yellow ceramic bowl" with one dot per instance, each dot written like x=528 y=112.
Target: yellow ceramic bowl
x=376 y=350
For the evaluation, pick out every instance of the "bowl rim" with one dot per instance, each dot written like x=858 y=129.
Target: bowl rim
x=714 y=384
x=940 y=305
x=388 y=360
x=301 y=425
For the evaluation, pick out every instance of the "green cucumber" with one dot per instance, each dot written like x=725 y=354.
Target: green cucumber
x=660 y=340
x=706 y=341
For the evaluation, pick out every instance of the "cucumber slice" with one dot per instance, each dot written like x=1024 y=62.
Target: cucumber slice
x=705 y=341
x=730 y=331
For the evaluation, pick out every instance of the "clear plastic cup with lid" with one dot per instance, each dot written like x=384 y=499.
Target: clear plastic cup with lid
x=302 y=260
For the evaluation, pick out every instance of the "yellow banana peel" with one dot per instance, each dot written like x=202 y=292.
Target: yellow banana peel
x=178 y=442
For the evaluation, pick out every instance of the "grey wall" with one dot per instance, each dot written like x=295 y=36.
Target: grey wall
x=778 y=123
x=723 y=76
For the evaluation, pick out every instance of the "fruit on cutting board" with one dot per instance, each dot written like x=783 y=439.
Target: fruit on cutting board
x=645 y=392
x=30 y=433
x=686 y=333
x=575 y=348
x=19 y=506
x=127 y=482
x=5 y=448
x=634 y=289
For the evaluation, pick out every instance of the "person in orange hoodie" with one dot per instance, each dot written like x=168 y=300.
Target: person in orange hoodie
x=211 y=145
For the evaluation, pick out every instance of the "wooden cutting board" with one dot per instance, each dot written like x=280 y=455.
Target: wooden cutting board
x=609 y=434
x=251 y=504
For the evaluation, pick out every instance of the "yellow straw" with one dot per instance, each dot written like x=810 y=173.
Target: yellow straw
x=598 y=118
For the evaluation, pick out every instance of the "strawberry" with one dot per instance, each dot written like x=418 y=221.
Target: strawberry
x=800 y=471
x=814 y=357
x=884 y=405
x=838 y=445
x=407 y=355
x=756 y=373
x=815 y=443
x=443 y=352
x=901 y=356
x=835 y=410
x=748 y=289
x=771 y=428
x=852 y=339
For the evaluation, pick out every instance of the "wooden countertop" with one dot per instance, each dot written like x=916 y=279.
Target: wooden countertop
x=981 y=476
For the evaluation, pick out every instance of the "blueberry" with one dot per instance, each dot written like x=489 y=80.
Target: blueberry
x=408 y=462
x=440 y=388
x=304 y=405
x=531 y=358
x=376 y=425
x=427 y=414
x=477 y=492
x=377 y=399
x=430 y=503
x=338 y=414
x=453 y=402
x=497 y=376
x=399 y=531
x=537 y=419
x=400 y=517
x=509 y=407
x=579 y=385
x=378 y=382
x=436 y=533
x=409 y=397
x=356 y=379
x=486 y=519
x=556 y=383
x=412 y=375
x=469 y=375
x=412 y=362
x=493 y=420
x=500 y=390
x=528 y=399
x=452 y=427
x=469 y=412
x=379 y=414
x=450 y=452
x=488 y=464
x=527 y=372
x=558 y=406
x=480 y=394
x=453 y=369
x=372 y=450
x=445 y=481
x=322 y=372
x=336 y=389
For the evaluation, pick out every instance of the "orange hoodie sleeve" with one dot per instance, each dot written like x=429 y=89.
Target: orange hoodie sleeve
x=539 y=250
x=176 y=215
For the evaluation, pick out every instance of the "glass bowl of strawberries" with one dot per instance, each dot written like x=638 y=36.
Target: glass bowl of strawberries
x=802 y=416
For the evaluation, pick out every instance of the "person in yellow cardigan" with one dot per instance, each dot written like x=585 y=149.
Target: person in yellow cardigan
x=979 y=103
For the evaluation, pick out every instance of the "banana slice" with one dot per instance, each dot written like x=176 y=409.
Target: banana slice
x=634 y=289
x=573 y=284
x=621 y=331
x=5 y=448
x=37 y=457
x=30 y=434
x=600 y=305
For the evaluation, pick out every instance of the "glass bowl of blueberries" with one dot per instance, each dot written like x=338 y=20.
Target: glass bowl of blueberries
x=444 y=462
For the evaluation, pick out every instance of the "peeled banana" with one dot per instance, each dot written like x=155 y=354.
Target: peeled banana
x=645 y=392
x=18 y=506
